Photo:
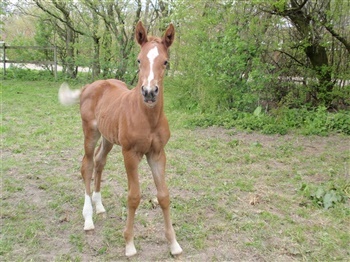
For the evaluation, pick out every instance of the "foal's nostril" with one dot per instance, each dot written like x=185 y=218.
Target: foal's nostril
x=149 y=94
x=144 y=92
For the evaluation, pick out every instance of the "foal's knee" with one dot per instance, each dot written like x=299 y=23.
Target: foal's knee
x=134 y=200
x=163 y=200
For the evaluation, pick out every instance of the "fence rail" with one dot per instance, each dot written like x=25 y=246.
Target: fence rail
x=7 y=61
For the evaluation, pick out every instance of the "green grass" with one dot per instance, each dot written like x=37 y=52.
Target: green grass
x=235 y=195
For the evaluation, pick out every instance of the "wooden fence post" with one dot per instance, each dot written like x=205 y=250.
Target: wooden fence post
x=4 y=58
x=55 y=61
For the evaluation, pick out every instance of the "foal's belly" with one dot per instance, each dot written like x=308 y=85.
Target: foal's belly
x=136 y=138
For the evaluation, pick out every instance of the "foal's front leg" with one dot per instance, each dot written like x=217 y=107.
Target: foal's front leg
x=156 y=161
x=131 y=161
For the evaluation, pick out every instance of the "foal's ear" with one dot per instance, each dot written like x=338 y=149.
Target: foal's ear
x=140 y=34
x=169 y=36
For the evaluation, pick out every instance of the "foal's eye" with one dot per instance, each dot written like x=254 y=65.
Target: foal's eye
x=138 y=61
x=166 y=62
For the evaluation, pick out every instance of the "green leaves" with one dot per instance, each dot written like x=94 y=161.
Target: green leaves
x=327 y=199
x=257 y=111
x=331 y=198
x=281 y=121
x=322 y=197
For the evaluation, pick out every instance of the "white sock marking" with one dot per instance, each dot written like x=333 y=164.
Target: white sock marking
x=152 y=54
x=175 y=248
x=87 y=213
x=97 y=199
x=130 y=249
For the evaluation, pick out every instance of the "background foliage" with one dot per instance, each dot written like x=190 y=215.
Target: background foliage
x=230 y=58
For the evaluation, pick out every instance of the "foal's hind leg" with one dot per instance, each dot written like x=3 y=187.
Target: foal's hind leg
x=91 y=135
x=100 y=161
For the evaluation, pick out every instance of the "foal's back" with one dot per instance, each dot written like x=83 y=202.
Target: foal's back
x=98 y=93
x=101 y=105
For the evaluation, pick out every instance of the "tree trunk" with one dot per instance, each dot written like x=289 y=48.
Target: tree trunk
x=317 y=55
x=107 y=48
x=145 y=21
x=70 y=40
x=96 y=68
x=315 y=52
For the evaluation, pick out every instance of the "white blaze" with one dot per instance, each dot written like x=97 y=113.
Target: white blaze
x=152 y=54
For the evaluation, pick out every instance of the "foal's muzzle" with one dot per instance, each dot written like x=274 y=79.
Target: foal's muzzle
x=150 y=94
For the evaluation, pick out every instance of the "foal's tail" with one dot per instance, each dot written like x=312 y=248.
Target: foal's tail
x=68 y=96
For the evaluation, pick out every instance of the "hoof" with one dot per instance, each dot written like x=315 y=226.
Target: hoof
x=175 y=249
x=130 y=250
x=102 y=215
x=100 y=209
x=97 y=199
x=89 y=225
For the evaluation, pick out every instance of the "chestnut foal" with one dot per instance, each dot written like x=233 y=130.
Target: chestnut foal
x=133 y=119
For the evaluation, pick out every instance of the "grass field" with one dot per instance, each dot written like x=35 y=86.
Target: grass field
x=236 y=196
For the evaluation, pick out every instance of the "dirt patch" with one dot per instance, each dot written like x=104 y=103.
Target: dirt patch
x=312 y=144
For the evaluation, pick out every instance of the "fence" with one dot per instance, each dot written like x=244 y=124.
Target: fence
x=6 y=61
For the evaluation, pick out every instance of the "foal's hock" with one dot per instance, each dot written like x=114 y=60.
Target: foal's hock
x=133 y=119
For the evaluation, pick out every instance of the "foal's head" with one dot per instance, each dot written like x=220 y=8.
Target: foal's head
x=152 y=60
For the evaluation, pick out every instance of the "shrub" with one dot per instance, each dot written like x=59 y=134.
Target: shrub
x=270 y=129
x=339 y=122
x=316 y=122
x=27 y=74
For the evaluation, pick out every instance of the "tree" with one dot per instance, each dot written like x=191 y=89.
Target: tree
x=312 y=20
x=3 y=10
x=62 y=12
x=116 y=17
x=221 y=46
x=89 y=20
x=229 y=54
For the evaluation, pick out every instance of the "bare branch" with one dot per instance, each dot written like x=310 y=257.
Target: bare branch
x=63 y=11
x=290 y=56
x=338 y=37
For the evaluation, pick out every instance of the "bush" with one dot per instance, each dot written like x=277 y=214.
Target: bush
x=339 y=122
x=321 y=122
x=27 y=74
x=270 y=129
x=317 y=122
